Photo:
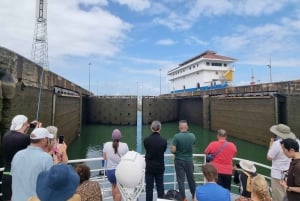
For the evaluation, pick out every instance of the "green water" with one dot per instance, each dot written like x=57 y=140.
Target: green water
x=90 y=143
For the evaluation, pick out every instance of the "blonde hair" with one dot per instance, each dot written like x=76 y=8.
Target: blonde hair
x=52 y=130
x=260 y=188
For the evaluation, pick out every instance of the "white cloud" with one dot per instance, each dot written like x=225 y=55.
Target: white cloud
x=191 y=12
x=193 y=40
x=71 y=31
x=93 y=2
x=165 y=42
x=173 y=21
x=136 y=5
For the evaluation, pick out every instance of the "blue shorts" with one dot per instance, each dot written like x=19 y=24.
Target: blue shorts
x=111 y=176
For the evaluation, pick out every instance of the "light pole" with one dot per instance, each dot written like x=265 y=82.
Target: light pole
x=160 y=81
x=270 y=66
x=90 y=76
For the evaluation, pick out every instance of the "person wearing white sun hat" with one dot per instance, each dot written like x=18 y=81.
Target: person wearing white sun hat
x=280 y=162
x=244 y=177
x=13 y=141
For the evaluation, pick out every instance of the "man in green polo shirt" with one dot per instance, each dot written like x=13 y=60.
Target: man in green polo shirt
x=182 y=148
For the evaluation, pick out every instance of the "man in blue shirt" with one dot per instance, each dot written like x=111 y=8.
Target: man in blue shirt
x=28 y=163
x=211 y=191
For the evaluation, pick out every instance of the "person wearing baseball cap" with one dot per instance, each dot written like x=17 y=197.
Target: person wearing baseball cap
x=280 y=162
x=28 y=163
x=112 y=153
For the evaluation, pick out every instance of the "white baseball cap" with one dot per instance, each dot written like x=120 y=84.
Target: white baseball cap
x=40 y=133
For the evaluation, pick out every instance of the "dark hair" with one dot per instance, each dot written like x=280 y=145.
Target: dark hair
x=83 y=171
x=210 y=172
x=115 y=145
x=290 y=143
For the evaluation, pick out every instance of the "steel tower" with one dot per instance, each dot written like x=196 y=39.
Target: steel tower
x=39 y=52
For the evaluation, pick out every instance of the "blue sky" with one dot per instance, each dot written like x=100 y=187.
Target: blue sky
x=132 y=44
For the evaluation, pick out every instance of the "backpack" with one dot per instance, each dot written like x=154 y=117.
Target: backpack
x=173 y=195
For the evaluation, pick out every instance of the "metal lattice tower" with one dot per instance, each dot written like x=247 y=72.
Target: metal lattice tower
x=39 y=52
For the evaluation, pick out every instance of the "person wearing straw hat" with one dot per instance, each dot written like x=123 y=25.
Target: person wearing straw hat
x=57 y=184
x=245 y=178
x=280 y=162
x=28 y=163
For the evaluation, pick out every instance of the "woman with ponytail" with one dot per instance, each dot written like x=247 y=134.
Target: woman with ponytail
x=260 y=189
x=112 y=153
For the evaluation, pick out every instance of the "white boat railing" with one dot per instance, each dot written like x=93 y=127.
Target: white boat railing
x=98 y=172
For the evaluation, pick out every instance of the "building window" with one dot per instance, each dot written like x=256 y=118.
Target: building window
x=217 y=73
x=225 y=65
x=207 y=63
x=183 y=87
x=216 y=64
x=198 y=85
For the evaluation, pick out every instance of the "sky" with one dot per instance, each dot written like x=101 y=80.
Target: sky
x=132 y=44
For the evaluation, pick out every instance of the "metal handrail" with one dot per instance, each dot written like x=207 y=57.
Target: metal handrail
x=199 y=160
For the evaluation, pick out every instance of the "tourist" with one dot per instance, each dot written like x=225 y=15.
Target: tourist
x=223 y=160
x=280 y=162
x=88 y=190
x=210 y=190
x=28 y=163
x=57 y=184
x=290 y=148
x=112 y=153
x=182 y=148
x=13 y=141
x=245 y=177
x=260 y=189
x=155 y=147
x=57 y=147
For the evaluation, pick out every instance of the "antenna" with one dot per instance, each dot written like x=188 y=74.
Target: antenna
x=252 y=78
x=39 y=51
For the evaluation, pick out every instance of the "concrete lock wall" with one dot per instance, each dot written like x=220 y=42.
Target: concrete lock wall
x=162 y=109
x=67 y=116
x=20 y=82
x=63 y=112
x=293 y=113
x=191 y=109
x=118 y=110
x=247 y=118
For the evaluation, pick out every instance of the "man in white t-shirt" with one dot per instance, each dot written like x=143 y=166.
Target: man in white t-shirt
x=280 y=162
